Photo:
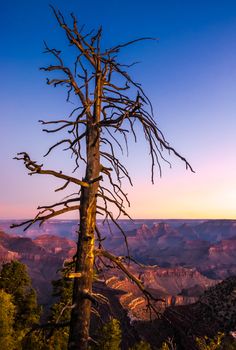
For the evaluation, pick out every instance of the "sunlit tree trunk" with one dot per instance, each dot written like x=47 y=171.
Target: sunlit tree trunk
x=82 y=291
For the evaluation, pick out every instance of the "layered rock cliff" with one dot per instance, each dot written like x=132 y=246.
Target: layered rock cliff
x=176 y=286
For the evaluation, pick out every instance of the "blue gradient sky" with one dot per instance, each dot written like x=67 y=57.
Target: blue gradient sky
x=189 y=74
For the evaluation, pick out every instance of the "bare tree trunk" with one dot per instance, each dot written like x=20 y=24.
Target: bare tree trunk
x=82 y=290
x=80 y=319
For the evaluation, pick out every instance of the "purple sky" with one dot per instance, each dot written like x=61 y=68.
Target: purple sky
x=189 y=75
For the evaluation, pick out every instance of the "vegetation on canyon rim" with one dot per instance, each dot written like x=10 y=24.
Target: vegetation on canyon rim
x=110 y=105
x=20 y=327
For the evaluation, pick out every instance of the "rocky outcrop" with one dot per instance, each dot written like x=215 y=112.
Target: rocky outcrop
x=175 y=286
x=7 y=255
x=56 y=245
x=214 y=312
x=186 y=245
x=224 y=250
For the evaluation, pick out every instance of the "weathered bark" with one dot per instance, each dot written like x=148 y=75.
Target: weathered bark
x=82 y=289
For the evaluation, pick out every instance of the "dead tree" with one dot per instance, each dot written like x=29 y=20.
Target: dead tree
x=110 y=107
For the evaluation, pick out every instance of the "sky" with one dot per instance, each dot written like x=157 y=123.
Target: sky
x=189 y=75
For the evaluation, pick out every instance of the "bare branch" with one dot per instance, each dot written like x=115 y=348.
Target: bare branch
x=37 y=169
x=118 y=47
x=43 y=218
x=65 y=203
x=118 y=262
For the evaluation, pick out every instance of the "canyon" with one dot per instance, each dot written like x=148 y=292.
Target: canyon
x=179 y=259
x=181 y=262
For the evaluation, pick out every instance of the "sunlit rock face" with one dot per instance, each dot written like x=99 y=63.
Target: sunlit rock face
x=176 y=286
x=7 y=255
x=56 y=245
